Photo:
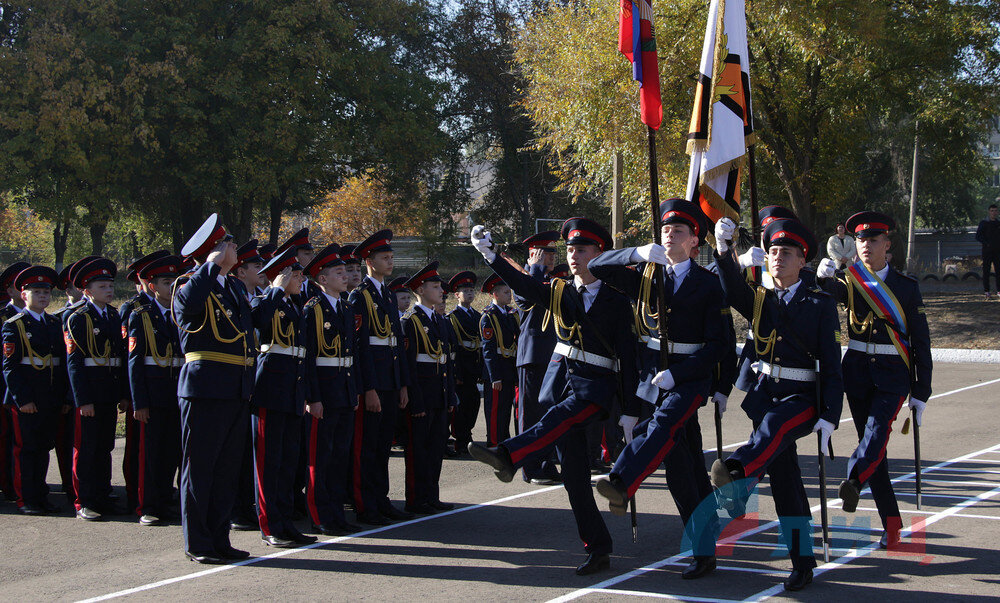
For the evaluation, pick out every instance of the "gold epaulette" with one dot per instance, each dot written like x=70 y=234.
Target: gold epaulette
x=15 y=317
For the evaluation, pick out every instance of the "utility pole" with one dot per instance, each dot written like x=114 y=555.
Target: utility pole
x=911 y=233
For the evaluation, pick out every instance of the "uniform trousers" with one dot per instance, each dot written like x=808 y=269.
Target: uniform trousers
x=373 y=436
x=32 y=436
x=276 y=442
x=156 y=452
x=497 y=408
x=93 y=441
x=873 y=413
x=466 y=413
x=328 y=445
x=530 y=410
x=427 y=439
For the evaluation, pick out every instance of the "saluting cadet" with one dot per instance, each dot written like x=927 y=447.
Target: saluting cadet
x=216 y=381
x=13 y=304
x=464 y=321
x=793 y=326
x=535 y=343
x=499 y=329
x=352 y=266
x=248 y=266
x=593 y=360
x=403 y=295
x=154 y=364
x=333 y=385
x=696 y=343
x=384 y=377
x=95 y=353
x=888 y=357
x=33 y=367
x=431 y=392
x=304 y=253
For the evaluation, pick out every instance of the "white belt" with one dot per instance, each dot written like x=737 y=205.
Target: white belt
x=112 y=362
x=296 y=351
x=886 y=349
x=452 y=355
x=390 y=341
x=174 y=362
x=591 y=358
x=506 y=354
x=431 y=359
x=674 y=347
x=335 y=361
x=469 y=344
x=782 y=372
x=644 y=338
x=40 y=362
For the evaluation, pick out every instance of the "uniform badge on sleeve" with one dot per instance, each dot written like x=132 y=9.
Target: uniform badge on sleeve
x=357 y=322
x=124 y=331
x=70 y=344
x=132 y=343
x=487 y=333
x=8 y=349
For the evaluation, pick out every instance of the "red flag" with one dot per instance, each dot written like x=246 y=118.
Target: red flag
x=638 y=43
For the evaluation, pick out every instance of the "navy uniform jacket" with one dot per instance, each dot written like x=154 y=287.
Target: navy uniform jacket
x=499 y=331
x=807 y=328
x=128 y=306
x=888 y=372
x=451 y=342
x=279 y=383
x=468 y=344
x=214 y=320
x=609 y=319
x=9 y=311
x=534 y=344
x=376 y=318
x=154 y=358
x=43 y=381
x=725 y=372
x=329 y=334
x=694 y=315
x=427 y=353
x=95 y=354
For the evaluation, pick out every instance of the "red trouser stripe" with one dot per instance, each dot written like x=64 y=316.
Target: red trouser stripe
x=15 y=423
x=753 y=466
x=311 y=486
x=410 y=468
x=259 y=466
x=867 y=473
x=666 y=448
x=127 y=469
x=517 y=455
x=77 y=442
x=493 y=417
x=359 y=431
x=140 y=485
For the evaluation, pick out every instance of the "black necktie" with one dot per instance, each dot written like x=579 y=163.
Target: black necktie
x=781 y=297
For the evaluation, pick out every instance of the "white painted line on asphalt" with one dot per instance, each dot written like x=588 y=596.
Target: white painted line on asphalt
x=969 y=515
x=639 y=593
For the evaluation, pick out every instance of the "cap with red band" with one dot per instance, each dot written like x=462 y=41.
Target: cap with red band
x=299 y=240
x=785 y=231
x=266 y=251
x=247 y=254
x=491 y=282
x=397 y=284
x=347 y=254
x=97 y=269
x=582 y=231
x=328 y=256
x=560 y=271
x=465 y=278
x=36 y=276
x=280 y=261
x=682 y=211
x=165 y=266
x=770 y=213
x=869 y=223
x=428 y=273
x=204 y=240
x=7 y=276
x=542 y=240
x=132 y=270
x=380 y=241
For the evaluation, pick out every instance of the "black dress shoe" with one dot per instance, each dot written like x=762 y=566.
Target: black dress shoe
x=278 y=542
x=30 y=509
x=599 y=468
x=798 y=580
x=243 y=525
x=394 y=514
x=206 y=558
x=441 y=506
x=498 y=458
x=373 y=519
x=336 y=529
x=850 y=493
x=233 y=554
x=614 y=490
x=595 y=562
x=300 y=538
x=543 y=481
x=50 y=508
x=421 y=509
x=698 y=568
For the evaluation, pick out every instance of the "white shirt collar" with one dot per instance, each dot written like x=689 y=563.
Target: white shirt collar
x=163 y=309
x=428 y=311
x=379 y=285
x=222 y=280
x=680 y=270
x=37 y=317
x=103 y=313
x=883 y=272
x=330 y=298
x=790 y=291
x=592 y=288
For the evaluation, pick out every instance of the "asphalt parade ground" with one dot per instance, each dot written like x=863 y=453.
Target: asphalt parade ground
x=518 y=542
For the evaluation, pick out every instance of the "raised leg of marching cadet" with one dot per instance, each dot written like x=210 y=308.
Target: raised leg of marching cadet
x=497 y=408
x=386 y=433
x=156 y=460
x=690 y=488
x=466 y=413
x=530 y=411
x=781 y=426
x=276 y=442
x=364 y=467
x=792 y=506
x=329 y=451
x=31 y=436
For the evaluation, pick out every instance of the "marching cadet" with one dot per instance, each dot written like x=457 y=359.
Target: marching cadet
x=215 y=384
x=793 y=327
x=333 y=382
x=33 y=367
x=352 y=265
x=593 y=360
x=696 y=343
x=384 y=377
x=278 y=402
x=431 y=392
x=464 y=321
x=498 y=329
x=95 y=352
x=304 y=253
x=248 y=266
x=535 y=343
x=888 y=357
x=403 y=295
x=12 y=306
x=154 y=364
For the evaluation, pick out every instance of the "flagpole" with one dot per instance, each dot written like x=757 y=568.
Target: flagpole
x=654 y=208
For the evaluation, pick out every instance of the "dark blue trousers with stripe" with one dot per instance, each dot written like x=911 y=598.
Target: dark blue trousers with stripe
x=157 y=450
x=328 y=448
x=276 y=443
x=32 y=440
x=530 y=410
x=874 y=412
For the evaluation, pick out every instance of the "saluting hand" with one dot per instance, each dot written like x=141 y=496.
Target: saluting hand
x=653 y=253
x=283 y=279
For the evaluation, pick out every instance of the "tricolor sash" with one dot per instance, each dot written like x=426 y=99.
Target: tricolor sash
x=883 y=303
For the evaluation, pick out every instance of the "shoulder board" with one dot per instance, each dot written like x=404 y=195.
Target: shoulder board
x=81 y=310
x=701 y=268
x=407 y=315
x=312 y=301
x=819 y=292
x=16 y=317
x=142 y=308
x=908 y=277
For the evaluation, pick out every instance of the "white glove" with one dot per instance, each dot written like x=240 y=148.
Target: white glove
x=664 y=380
x=628 y=424
x=826 y=428
x=720 y=401
x=652 y=253
x=724 y=231
x=483 y=242
x=917 y=406
x=826 y=269
x=752 y=257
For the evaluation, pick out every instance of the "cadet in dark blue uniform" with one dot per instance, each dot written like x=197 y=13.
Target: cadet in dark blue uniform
x=498 y=329
x=34 y=369
x=95 y=354
x=248 y=266
x=404 y=297
x=793 y=327
x=384 y=376
x=534 y=350
x=464 y=321
x=593 y=361
x=352 y=265
x=215 y=385
x=333 y=384
x=696 y=345
x=154 y=364
x=65 y=419
x=888 y=357
x=13 y=304
x=304 y=253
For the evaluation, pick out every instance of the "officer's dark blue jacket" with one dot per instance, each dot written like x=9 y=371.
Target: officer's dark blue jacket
x=498 y=328
x=334 y=386
x=534 y=344
x=279 y=383
x=214 y=319
x=468 y=344
x=8 y=311
x=608 y=324
x=377 y=316
x=888 y=372
x=806 y=329
x=125 y=310
x=43 y=381
x=432 y=384
x=154 y=358
x=96 y=356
